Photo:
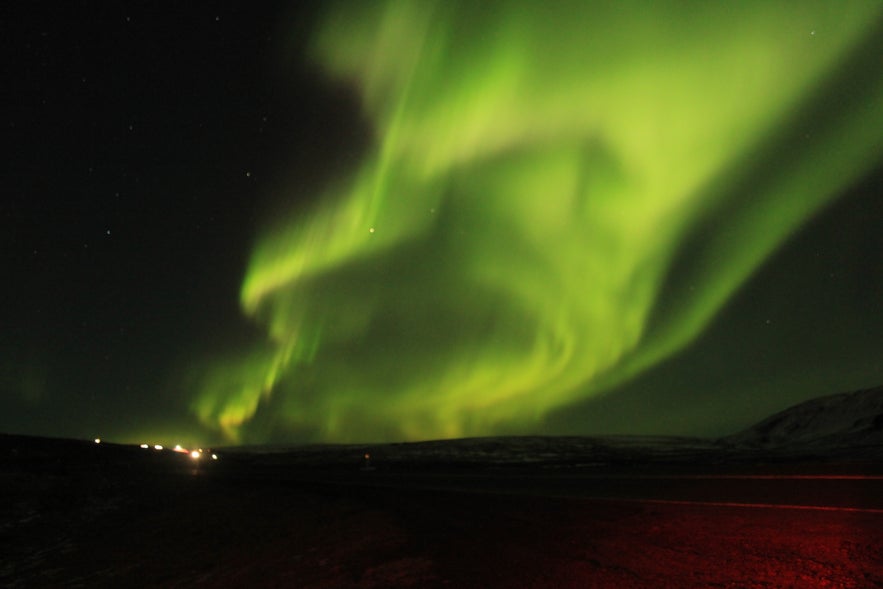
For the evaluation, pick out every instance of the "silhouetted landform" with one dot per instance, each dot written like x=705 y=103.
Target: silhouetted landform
x=836 y=427
x=795 y=501
x=59 y=456
x=503 y=452
x=839 y=425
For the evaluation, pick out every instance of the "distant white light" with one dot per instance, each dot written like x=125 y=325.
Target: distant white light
x=97 y=440
x=158 y=447
x=214 y=456
x=145 y=446
x=195 y=454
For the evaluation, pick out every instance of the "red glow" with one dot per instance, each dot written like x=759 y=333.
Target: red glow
x=750 y=505
x=738 y=545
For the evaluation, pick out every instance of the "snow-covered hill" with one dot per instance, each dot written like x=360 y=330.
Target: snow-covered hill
x=834 y=421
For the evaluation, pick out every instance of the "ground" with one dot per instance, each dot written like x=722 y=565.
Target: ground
x=98 y=524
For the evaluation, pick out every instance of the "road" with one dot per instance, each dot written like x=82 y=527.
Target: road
x=862 y=492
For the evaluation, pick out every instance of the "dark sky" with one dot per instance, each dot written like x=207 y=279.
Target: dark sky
x=150 y=147
x=144 y=143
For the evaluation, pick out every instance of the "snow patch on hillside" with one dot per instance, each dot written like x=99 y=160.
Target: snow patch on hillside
x=844 y=419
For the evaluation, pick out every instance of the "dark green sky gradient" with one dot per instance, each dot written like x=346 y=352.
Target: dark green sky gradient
x=572 y=192
x=807 y=323
x=668 y=226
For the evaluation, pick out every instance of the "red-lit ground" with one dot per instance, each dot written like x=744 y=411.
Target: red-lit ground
x=78 y=514
x=183 y=531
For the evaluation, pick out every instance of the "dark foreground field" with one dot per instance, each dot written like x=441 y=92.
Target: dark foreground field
x=105 y=516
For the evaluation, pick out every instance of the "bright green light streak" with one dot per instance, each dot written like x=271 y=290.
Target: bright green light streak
x=538 y=169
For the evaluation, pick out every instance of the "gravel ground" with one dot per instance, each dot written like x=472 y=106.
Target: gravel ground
x=160 y=523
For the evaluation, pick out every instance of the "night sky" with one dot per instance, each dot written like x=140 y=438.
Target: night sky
x=392 y=221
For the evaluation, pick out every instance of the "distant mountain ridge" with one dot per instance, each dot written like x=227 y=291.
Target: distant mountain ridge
x=841 y=420
x=843 y=426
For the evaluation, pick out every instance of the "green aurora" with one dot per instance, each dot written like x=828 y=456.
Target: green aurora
x=545 y=180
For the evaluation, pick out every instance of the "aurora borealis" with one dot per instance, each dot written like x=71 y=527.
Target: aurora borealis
x=554 y=201
x=501 y=250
